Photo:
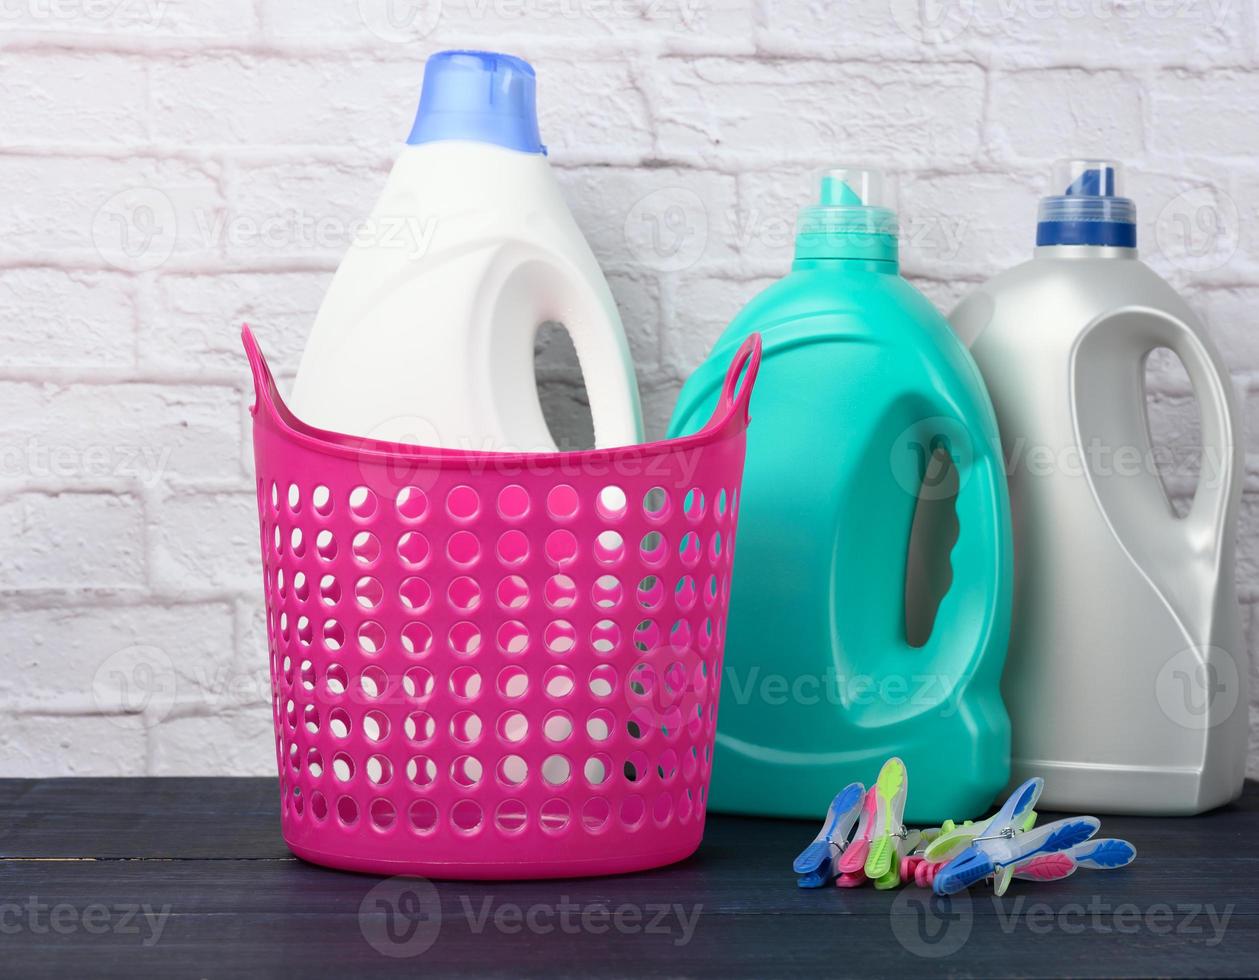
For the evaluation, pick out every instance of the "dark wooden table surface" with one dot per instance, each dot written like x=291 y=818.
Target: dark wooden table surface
x=189 y=877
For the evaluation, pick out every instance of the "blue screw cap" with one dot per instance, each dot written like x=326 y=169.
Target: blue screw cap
x=479 y=96
x=1090 y=209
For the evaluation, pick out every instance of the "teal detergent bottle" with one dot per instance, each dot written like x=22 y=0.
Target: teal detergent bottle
x=868 y=412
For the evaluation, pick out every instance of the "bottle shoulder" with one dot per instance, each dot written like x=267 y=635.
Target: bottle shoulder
x=463 y=190
x=1047 y=298
x=883 y=306
x=875 y=324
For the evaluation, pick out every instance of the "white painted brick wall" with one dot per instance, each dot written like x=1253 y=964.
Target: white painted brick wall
x=169 y=168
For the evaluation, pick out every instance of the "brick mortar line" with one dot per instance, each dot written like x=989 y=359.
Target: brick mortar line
x=760 y=45
x=742 y=268
x=714 y=161
x=232 y=380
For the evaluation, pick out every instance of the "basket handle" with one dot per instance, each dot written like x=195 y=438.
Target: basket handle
x=735 y=397
x=732 y=404
x=264 y=382
x=267 y=398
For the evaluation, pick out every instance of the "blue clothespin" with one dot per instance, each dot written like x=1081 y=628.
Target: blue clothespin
x=1004 y=845
x=817 y=863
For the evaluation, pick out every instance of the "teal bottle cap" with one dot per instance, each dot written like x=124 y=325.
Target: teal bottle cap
x=853 y=219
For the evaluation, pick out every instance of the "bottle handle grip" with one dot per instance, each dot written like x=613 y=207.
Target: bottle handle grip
x=1204 y=523
x=974 y=614
x=604 y=358
x=1109 y=403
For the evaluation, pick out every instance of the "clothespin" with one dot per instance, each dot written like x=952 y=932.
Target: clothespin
x=817 y=864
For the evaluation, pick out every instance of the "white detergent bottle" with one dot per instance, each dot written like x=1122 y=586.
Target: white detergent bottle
x=1126 y=678
x=427 y=332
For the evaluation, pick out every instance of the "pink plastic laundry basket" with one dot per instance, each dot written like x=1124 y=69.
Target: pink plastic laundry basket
x=496 y=665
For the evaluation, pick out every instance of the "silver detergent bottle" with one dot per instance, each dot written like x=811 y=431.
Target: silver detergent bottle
x=1126 y=679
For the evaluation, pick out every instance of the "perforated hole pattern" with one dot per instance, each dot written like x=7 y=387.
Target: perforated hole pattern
x=495 y=669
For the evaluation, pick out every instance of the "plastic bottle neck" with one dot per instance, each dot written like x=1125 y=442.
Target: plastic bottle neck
x=889 y=267
x=1083 y=252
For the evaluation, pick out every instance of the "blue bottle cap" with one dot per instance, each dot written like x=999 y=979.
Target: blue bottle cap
x=479 y=96
x=1090 y=209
